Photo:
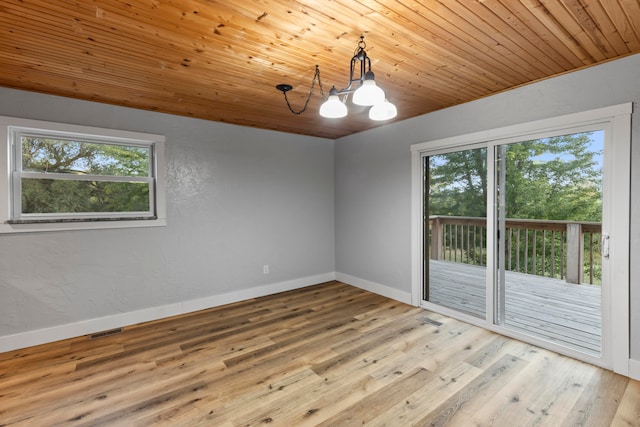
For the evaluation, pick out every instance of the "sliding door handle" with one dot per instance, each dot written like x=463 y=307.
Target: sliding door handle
x=605 y=246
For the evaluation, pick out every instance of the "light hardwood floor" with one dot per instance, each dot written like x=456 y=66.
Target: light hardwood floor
x=328 y=355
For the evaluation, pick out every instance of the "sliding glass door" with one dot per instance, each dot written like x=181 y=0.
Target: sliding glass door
x=549 y=238
x=525 y=231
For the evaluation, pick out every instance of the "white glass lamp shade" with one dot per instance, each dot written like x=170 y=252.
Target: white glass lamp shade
x=383 y=111
x=333 y=108
x=368 y=94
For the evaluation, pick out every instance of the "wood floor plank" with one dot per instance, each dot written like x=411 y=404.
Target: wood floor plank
x=129 y=412
x=477 y=391
x=430 y=396
x=599 y=401
x=243 y=395
x=381 y=400
x=543 y=394
x=54 y=403
x=329 y=354
x=628 y=413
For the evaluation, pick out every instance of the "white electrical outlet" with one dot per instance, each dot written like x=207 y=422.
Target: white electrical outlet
x=265 y=269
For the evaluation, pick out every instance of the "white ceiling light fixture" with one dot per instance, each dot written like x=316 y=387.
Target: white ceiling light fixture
x=383 y=111
x=366 y=94
x=333 y=107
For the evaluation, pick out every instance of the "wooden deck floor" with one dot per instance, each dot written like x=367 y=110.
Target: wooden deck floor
x=552 y=309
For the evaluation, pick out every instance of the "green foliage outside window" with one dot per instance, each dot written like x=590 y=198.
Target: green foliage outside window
x=98 y=162
x=553 y=178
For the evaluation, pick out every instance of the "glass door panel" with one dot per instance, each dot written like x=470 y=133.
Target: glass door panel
x=455 y=227
x=548 y=234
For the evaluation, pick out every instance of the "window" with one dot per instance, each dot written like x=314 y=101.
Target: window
x=69 y=177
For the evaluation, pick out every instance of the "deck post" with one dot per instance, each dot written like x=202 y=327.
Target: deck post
x=575 y=254
x=437 y=234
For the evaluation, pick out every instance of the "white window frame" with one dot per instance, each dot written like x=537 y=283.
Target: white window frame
x=615 y=305
x=12 y=220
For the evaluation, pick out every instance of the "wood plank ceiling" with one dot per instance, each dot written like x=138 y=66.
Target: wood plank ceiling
x=221 y=60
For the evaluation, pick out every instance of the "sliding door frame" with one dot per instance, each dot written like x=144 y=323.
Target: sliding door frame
x=616 y=120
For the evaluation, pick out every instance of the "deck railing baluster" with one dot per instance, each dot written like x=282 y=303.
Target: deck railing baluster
x=518 y=250
x=461 y=244
x=483 y=232
x=526 y=251
x=455 y=247
x=544 y=250
x=534 y=252
x=475 y=245
x=509 y=247
x=562 y=258
x=552 y=263
x=590 y=258
x=469 y=242
x=450 y=240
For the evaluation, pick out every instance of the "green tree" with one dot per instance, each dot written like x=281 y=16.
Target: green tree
x=458 y=183
x=554 y=178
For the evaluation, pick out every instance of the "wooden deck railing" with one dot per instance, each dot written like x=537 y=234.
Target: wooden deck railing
x=568 y=250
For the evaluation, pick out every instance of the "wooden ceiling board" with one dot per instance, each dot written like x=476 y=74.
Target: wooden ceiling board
x=221 y=60
x=538 y=19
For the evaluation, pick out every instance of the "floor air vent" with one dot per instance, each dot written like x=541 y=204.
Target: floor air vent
x=426 y=321
x=105 y=333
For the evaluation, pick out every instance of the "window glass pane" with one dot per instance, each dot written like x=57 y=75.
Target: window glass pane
x=455 y=198
x=550 y=222
x=57 y=155
x=62 y=196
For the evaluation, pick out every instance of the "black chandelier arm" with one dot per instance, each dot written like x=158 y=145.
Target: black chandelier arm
x=351 y=71
x=286 y=88
x=361 y=59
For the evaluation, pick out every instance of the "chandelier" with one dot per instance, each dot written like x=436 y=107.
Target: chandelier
x=367 y=93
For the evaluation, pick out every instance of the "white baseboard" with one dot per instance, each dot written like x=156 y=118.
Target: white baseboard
x=376 y=288
x=634 y=369
x=90 y=326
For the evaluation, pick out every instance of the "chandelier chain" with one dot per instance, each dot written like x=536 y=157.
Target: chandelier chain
x=361 y=46
x=316 y=76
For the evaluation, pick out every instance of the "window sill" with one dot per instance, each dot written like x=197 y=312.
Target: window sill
x=37 y=226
